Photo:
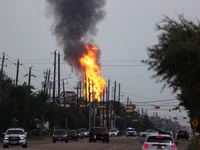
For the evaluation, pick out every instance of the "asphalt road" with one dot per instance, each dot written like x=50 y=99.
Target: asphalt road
x=116 y=143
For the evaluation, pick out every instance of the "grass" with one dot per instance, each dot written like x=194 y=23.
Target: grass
x=195 y=145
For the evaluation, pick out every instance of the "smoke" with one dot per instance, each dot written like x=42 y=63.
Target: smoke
x=74 y=23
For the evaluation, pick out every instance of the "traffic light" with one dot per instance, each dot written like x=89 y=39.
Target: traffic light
x=187 y=121
x=176 y=122
x=176 y=107
x=156 y=107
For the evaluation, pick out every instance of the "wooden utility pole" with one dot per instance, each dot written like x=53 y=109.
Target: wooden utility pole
x=17 y=72
x=114 y=105
x=54 y=78
x=1 y=73
x=29 y=76
x=59 y=76
x=119 y=93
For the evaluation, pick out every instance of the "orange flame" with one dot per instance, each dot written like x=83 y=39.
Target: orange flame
x=92 y=70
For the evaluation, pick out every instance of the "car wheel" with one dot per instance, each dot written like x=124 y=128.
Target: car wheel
x=76 y=139
x=24 y=146
x=94 y=140
x=66 y=141
x=177 y=138
x=103 y=141
x=187 y=138
x=54 y=141
x=81 y=137
x=90 y=140
x=143 y=135
x=5 y=146
x=107 y=141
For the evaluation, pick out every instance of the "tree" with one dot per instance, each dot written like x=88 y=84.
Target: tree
x=175 y=59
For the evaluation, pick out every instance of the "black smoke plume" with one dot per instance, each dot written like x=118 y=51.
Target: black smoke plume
x=74 y=23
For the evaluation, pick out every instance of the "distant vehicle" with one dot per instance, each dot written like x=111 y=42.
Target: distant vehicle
x=85 y=132
x=15 y=136
x=131 y=132
x=182 y=135
x=113 y=132
x=159 y=141
x=98 y=133
x=117 y=130
x=162 y=131
x=60 y=135
x=79 y=133
x=148 y=132
x=72 y=135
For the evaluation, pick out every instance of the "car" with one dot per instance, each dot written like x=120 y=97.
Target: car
x=159 y=141
x=60 y=135
x=79 y=133
x=162 y=131
x=72 y=135
x=98 y=133
x=85 y=132
x=131 y=132
x=148 y=132
x=15 y=136
x=113 y=132
x=182 y=134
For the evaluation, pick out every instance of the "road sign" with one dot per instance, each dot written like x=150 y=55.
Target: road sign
x=195 y=122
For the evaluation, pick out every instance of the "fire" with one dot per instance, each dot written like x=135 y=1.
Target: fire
x=92 y=70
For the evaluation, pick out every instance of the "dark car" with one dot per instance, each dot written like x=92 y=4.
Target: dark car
x=79 y=133
x=60 y=135
x=182 y=134
x=72 y=135
x=98 y=133
x=161 y=131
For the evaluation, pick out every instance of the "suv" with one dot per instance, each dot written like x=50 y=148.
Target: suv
x=85 y=132
x=60 y=135
x=15 y=136
x=182 y=134
x=131 y=132
x=98 y=133
x=79 y=133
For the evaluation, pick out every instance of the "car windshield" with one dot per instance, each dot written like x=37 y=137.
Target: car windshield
x=160 y=139
x=113 y=130
x=71 y=132
x=99 y=129
x=83 y=130
x=60 y=132
x=130 y=130
x=78 y=131
x=15 y=132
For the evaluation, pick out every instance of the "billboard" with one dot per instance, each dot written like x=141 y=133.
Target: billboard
x=68 y=95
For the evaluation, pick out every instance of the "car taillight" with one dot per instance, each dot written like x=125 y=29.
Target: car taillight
x=145 y=146
x=173 y=147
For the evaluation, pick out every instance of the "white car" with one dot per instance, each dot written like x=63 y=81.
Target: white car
x=159 y=141
x=113 y=132
x=15 y=136
x=148 y=132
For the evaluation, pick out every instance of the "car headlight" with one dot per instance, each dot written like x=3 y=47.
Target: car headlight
x=21 y=138
x=6 y=137
x=65 y=134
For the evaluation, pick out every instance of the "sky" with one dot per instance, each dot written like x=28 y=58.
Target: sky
x=123 y=36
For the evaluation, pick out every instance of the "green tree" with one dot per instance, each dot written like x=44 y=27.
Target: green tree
x=175 y=60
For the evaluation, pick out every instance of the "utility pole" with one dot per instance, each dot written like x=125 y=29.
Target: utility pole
x=29 y=76
x=59 y=76
x=103 y=105
x=114 y=105
x=1 y=73
x=89 y=106
x=107 y=109
x=54 y=78
x=17 y=72
x=119 y=93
